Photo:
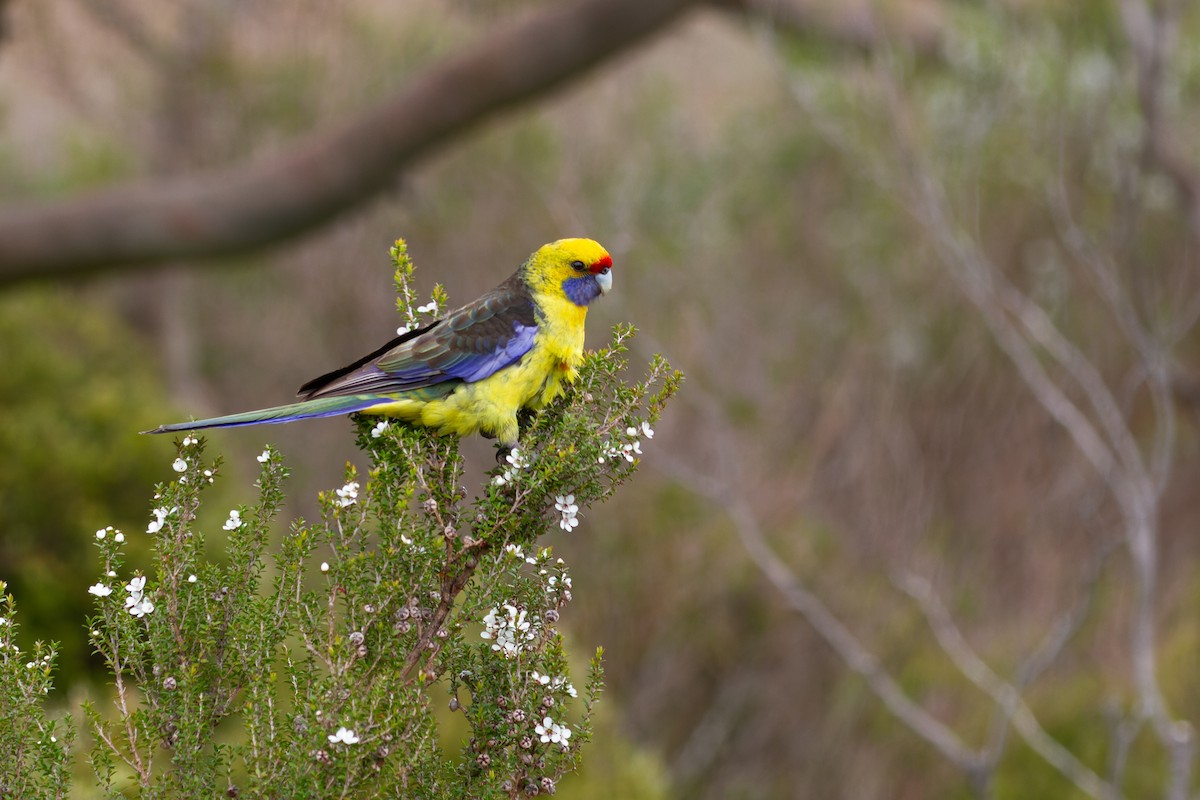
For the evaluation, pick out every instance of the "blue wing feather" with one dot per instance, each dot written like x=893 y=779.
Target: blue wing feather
x=469 y=345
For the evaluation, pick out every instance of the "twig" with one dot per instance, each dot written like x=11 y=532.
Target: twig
x=826 y=624
x=1003 y=693
x=1048 y=651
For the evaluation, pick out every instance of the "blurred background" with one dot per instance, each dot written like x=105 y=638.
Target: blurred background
x=923 y=522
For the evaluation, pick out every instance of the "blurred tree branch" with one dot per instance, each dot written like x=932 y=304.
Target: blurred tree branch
x=250 y=205
x=726 y=495
x=1006 y=695
x=241 y=207
x=1152 y=33
x=1026 y=332
x=1066 y=380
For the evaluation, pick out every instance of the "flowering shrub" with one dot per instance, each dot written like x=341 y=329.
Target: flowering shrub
x=308 y=672
x=34 y=750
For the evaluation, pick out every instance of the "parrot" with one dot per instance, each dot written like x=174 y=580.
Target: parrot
x=475 y=369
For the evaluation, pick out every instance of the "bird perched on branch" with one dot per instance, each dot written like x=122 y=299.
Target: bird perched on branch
x=474 y=369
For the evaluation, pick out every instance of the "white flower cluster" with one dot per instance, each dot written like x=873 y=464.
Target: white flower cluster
x=556 y=684
x=629 y=449
x=378 y=430
x=516 y=463
x=118 y=537
x=137 y=603
x=348 y=494
x=552 y=732
x=554 y=584
x=565 y=505
x=264 y=456
x=343 y=736
x=160 y=518
x=234 y=522
x=45 y=663
x=516 y=552
x=510 y=630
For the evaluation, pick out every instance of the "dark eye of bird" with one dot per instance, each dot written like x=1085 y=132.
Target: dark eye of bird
x=578 y=265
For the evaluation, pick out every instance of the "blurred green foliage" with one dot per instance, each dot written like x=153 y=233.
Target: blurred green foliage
x=74 y=381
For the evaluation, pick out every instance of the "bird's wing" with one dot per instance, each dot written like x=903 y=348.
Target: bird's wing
x=468 y=345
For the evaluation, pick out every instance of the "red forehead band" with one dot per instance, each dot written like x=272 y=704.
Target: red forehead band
x=601 y=264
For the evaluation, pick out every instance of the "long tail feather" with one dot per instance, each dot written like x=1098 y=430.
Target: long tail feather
x=309 y=409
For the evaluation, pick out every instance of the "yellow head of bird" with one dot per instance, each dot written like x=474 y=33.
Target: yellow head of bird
x=581 y=268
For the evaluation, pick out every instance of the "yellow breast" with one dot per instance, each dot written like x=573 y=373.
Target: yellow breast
x=490 y=406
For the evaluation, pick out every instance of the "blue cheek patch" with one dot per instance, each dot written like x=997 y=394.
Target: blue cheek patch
x=581 y=290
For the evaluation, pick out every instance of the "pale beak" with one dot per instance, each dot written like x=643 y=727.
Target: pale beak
x=604 y=280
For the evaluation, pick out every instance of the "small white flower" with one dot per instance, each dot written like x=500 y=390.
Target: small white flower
x=348 y=494
x=510 y=630
x=378 y=430
x=403 y=329
x=160 y=518
x=136 y=584
x=647 y=431
x=112 y=573
x=119 y=537
x=100 y=590
x=566 y=506
x=540 y=678
x=139 y=608
x=343 y=736
x=100 y=534
x=324 y=566
x=188 y=440
x=179 y=465
x=551 y=731
x=264 y=456
x=514 y=550
x=191 y=578
x=515 y=458
x=631 y=431
x=428 y=308
x=234 y=522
